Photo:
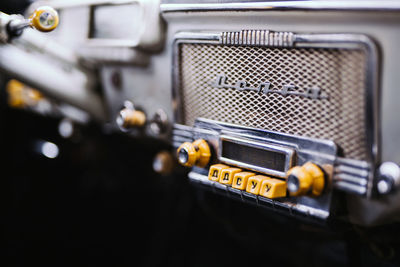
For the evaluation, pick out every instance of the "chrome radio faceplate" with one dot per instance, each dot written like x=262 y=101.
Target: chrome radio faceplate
x=264 y=152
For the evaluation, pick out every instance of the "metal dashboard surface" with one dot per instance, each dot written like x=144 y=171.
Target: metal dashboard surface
x=229 y=5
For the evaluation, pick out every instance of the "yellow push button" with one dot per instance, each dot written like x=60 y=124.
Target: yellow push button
x=215 y=171
x=273 y=188
x=240 y=180
x=319 y=178
x=254 y=184
x=227 y=175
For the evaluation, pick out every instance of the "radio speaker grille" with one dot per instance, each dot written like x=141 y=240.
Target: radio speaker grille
x=339 y=73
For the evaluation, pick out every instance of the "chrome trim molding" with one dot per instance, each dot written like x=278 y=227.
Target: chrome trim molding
x=385 y=5
x=181 y=134
x=352 y=176
x=60 y=4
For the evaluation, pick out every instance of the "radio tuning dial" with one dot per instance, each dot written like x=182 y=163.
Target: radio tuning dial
x=308 y=179
x=197 y=153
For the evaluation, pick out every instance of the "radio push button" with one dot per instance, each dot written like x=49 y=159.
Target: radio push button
x=273 y=188
x=308 y=179
x=215 y=171
x=240 y=180
x=254 y=184
x=197 y=153
x=227 y=175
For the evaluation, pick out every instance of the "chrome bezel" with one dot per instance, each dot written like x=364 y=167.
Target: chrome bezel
x=289 y=153
x=330 y=40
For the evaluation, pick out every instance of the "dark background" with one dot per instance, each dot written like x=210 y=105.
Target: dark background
x=100 y=204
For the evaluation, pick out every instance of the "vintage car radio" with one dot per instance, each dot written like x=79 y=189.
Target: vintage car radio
x=293 y=112
x=277 y=103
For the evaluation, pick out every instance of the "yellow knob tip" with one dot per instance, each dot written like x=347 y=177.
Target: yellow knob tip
x=130 y=118
x=44 y=19
x=197 y=153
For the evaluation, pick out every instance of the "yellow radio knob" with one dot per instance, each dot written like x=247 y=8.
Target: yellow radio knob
x=308 y=179
x=44 y=19
x=318 y=176
x=197 y=153
x=164 y=163
x=20 y=95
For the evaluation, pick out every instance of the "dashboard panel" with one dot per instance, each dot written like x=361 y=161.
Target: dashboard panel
x=287 y=107
x=314 y=70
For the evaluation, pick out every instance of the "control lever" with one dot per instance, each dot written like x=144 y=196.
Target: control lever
x=44 y=19
x=73 y=85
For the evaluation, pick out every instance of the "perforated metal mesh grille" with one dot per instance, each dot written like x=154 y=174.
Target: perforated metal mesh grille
x=340 y=73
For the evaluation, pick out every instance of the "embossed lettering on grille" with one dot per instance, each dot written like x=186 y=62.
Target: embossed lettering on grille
x=340 y=73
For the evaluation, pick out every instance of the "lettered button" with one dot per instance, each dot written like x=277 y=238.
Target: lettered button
x=240 y=180
x=273 y=188
x=254 y=184
x=215 y=171
x=227 y=175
